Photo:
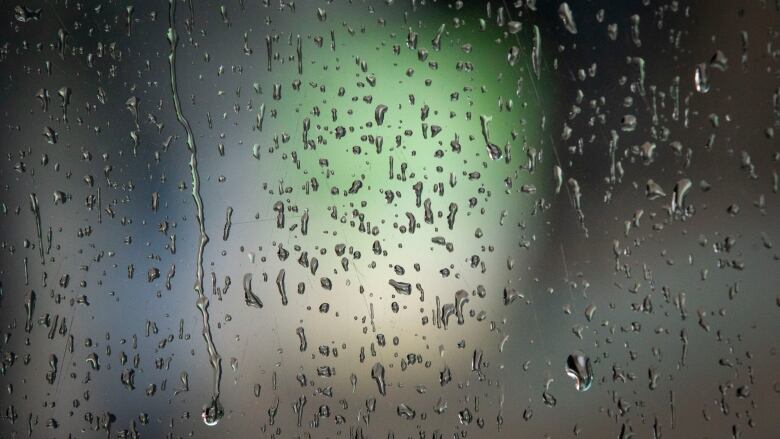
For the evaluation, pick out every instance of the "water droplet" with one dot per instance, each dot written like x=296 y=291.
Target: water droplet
x=578 y=368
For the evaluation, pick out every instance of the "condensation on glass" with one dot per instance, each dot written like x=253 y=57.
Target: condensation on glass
x=389 y=219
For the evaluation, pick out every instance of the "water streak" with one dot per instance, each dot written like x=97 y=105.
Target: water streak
x=213 y=411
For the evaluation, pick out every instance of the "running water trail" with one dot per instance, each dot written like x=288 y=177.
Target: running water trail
x=213 y=411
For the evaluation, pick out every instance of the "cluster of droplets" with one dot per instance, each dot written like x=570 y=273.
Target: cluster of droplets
x=401 y=190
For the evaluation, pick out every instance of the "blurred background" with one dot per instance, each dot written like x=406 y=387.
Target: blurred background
x=419 y=215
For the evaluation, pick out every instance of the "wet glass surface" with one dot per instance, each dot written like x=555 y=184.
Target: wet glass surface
x=389 y=219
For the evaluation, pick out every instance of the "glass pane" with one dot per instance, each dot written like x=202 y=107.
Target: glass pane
x=390 y=219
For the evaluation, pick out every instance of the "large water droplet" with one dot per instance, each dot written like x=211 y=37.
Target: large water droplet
x=578 y=367
x=213 y=413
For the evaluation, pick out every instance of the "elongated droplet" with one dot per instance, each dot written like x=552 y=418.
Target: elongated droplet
x=578 y=368
x=564 y=12
x=379 y=114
